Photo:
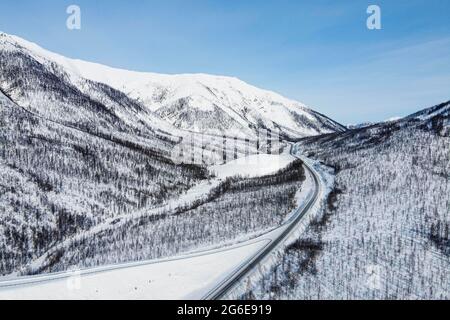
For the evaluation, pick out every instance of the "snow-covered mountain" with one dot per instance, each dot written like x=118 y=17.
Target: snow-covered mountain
x=74 y=153
x=79 y=152
x=384 y=231
x=196 y=102
x=359 y=125
x=435 y=119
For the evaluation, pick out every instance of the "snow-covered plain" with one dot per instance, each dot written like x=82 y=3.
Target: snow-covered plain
x=253 y=166
x=182 y=278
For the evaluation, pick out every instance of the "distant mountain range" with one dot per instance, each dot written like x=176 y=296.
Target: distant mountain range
x=435 y=119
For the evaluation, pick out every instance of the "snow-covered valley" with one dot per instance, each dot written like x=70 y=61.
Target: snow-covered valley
x=171 y=182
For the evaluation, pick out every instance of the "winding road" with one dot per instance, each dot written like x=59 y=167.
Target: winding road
x=221 y=290
x=272 y=241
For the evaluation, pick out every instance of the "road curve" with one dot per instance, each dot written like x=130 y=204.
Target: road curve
x=222 y=288
x=227 y=284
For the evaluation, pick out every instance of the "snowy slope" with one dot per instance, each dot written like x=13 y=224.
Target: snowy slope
x=45 y=84
x=384 y=231
x=57 y=180
x=197 y=102
x=185 y=277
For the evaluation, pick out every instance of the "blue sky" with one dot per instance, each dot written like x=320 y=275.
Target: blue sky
x=318 y=52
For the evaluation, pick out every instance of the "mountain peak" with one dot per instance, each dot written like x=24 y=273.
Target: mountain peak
x=201 y=102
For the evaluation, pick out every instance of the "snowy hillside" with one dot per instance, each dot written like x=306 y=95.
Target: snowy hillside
x=86 y=173
x=45 y=88
x=384 y=232
x=56 y=181
x=74 y=153
x=197 y=102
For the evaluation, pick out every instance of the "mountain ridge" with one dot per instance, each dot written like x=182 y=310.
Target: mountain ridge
x=196 y=102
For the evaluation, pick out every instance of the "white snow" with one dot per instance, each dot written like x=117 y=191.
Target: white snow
x=253 y=166
x=182 y=278
x=392 y=119
x=426 y=115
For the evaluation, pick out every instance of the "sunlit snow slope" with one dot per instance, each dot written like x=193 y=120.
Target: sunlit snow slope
x=197 y=102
